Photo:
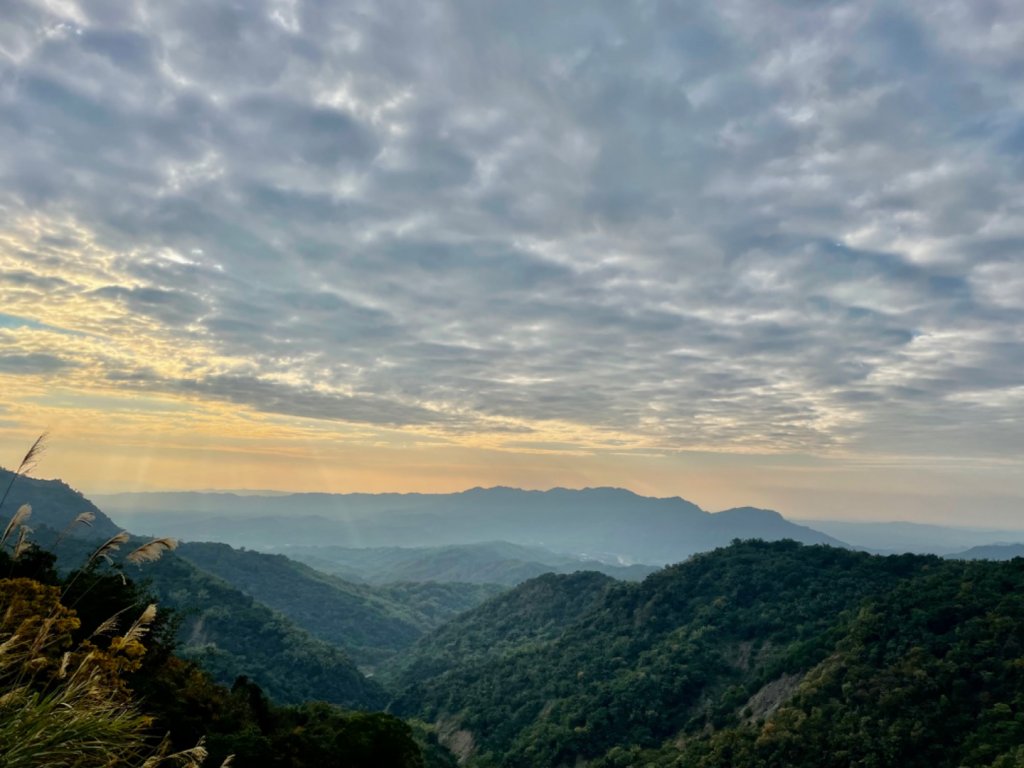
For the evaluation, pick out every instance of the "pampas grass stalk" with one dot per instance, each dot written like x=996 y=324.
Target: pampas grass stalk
x=23 y=513
x=82 y=518
x=23 y=543
x=141 y=625
x=28 y=463
x=110 y=545
x=74 y=720
x=103 y=550
x=151 y=551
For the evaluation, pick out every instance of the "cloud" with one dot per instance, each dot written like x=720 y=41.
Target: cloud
x=34 y=364
x=734 y=225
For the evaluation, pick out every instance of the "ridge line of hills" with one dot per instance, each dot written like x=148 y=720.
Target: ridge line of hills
x=481 y=516
x=758 y=653
x=610 y=524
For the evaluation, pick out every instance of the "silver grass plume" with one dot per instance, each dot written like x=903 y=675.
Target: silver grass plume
x=23 y=543
x=150 y=551
x=141 y=625
x=110 y=545
x=31 y=457
x=82 y=518
x=28 y=463
x=187 y=758
x=9 y=643
x=108 y=625
x=19 y=517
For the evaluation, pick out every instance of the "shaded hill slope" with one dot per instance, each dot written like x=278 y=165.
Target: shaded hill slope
x=371 y=623
x=230 y=634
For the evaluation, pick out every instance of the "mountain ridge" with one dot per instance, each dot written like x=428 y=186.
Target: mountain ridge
x=613 y=524
x=55 y=504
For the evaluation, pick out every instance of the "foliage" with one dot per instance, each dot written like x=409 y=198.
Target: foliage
x=538 y=610
x=371 y=623
x=67 y=704
x=99 y=692
x=895 y=653
x=930 y=675
x=232 y=635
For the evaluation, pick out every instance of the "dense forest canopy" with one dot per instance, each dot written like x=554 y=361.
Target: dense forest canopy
x=771 y=654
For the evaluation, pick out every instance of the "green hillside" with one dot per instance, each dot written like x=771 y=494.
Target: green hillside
x=756 y=654
x=537 y=611
x=371 y=623
x=231 y=634
x=929 y=675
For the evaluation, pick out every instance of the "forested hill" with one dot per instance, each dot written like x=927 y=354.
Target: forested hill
x=100 y=684
x=537 y=611
x=371 y=623
x=758 y=654
x=231 y=634
x=55 y=505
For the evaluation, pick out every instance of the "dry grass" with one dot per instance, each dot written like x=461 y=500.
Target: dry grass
x=19 y=518
x=67 y=708
x=28 y=463
x=151 y=551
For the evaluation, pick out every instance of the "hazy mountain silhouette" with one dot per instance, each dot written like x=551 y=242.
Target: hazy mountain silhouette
x=990 y=552
x=606 y=523
x=921 y=538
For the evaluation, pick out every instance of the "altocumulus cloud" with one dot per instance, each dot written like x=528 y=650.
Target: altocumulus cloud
x=759 y=225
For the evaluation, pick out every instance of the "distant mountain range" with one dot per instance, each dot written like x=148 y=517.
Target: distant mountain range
x=920 y=538
x=990 y=552
x=590 y=526
x=609 y=524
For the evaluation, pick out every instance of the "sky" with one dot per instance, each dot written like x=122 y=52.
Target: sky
x=745 y=252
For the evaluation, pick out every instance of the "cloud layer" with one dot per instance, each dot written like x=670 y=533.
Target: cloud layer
x=739 y=226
